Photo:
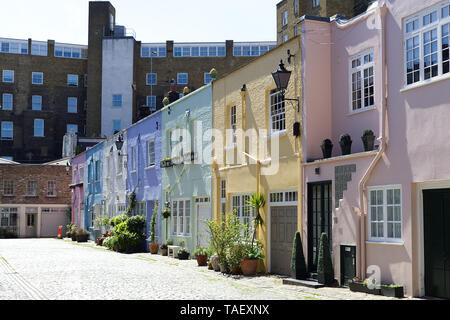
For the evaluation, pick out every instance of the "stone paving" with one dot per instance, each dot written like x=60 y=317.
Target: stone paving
x=34 y=269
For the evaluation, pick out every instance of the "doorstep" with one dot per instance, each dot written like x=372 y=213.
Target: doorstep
x=303 y=283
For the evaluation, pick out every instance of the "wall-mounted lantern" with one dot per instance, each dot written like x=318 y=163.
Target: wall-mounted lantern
x=119 y=143
x=281 y=78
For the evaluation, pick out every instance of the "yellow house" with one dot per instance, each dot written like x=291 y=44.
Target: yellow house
x=257 y=148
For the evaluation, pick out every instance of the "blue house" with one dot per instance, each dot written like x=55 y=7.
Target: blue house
x=93 y=190
x=143 y=168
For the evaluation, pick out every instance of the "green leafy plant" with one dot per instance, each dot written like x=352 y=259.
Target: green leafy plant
x=164 y=246
x=181 y=244
x=200 y=252
x=153 y=223
x=298 y=264
x=254 y=251
x=256 y=203
x=325 y=272
x=235 y=255
x=169 y=242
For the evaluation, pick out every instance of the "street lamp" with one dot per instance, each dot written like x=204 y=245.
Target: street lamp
x=281 y=78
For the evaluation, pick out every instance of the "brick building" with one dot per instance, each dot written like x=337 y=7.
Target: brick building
x=44 y=89
x=34 y=199
x=289 y=12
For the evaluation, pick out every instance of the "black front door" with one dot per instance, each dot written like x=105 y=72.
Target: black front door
x=319 y=219
x=436 y=211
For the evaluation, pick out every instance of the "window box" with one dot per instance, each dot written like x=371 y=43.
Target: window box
x=359 y=286
x=177 y=160
x=394 y=291
x=166 y=163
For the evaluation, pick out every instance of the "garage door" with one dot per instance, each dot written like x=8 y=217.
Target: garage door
x=51 y=218
x=283 y=225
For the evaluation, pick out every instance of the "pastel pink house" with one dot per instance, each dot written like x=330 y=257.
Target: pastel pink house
x=386 y=211
x=77 y=187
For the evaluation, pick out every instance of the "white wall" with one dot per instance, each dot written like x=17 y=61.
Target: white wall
x=117 y=78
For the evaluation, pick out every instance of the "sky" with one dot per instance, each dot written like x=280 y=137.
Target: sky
x=152 y=20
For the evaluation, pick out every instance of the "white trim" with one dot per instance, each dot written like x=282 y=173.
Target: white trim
x=361 y=68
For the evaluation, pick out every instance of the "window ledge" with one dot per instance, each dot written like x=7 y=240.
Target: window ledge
x=389 y=243
x=353 y=112
x=150 y=167
x=424 y=83
x=133 y=171
x=276 y=134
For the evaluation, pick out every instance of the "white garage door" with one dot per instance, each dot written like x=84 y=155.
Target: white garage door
x=51 y=219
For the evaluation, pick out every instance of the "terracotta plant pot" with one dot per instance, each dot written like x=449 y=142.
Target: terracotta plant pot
x=202 y=260
x=248 y=267
x=154 y=247
x=215 y=263
x=236 y=270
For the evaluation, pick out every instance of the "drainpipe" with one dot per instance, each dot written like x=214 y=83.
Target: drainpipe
x=382 y=10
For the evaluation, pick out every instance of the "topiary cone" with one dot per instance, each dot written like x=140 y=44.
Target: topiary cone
x=325 y=272
x=298 y=265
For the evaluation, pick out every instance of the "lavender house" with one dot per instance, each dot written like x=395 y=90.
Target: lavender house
x=143 y=170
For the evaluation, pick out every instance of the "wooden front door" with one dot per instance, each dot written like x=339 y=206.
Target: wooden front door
x=436 y=211
x=319 y=219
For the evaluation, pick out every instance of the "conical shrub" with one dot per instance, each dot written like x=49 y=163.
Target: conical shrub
x=298 y=265
x=325 y=272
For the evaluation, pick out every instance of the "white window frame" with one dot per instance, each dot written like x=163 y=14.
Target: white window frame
x=284 y=18
x=5 y=97
x=72 y=80
x=37 y=74
x=39 y=49
x=52 y=191
x=241 y=208
x=151 y=102
x=70 y=104
x=151 y=79
x=3 y=130
x=181 y=221
x=151 y=154
x=36 y=127
x=384 y=205
x=5 y=74
x=233 y=124
x=315 y=3
x=206 y=78
x=419 y=29
x=362 y=69
x=8 y=185
x=182 y=74
x=133 y=158
x=115 y=101
x=273 y=118
x=71 y=125
x=32 y=188
x=36 y=105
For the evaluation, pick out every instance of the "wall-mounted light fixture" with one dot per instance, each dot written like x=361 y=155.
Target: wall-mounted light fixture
x=119 y=143
x=290 y=56
x=281 y=78
x=244 y=88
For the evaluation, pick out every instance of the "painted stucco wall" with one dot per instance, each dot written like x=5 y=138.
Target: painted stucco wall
x=93 y=188
x=114 y=178
x=117 y=78
x=252 y=111
x=145 y=181
x=192 y=180
x=78 y=191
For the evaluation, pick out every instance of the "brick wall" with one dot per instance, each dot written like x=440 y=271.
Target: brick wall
x=21 y=174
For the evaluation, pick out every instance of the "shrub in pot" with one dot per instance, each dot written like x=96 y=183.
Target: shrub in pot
x=164 y=249
x=327 y=148
x=153 y=246
x=234 y=259
x=368 y=139
x=201 y=255
x=346 y=144
x=82 y=235
x=73 y=233
x=298 y=265
x=251 y=255
x=325 y=272
x=69 y=230
x=215 y=263
x=183 y=254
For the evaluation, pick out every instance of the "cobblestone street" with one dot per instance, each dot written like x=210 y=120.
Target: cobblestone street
x=61 y=270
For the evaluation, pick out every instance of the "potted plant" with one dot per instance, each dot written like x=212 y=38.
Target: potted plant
x=69 y=230
x=346 y=143
x=164 y=249
x=153 y=246
x=363 y=286
x=298 y=264
x=165 y=213
x=392 y=290
x=368 y=139
x=325 y=272
x=235 y=258
x=251 y=255
x=215 y=262
x=73 y=232
x=201 y=255
x=327 y=148
x=183 y=254
x=166 y=162
x=82 y=235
